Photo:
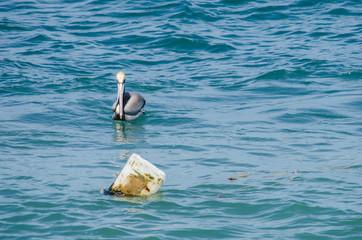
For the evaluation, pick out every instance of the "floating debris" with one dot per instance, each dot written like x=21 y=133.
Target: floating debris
x=344 y=167
x=138 y=178
x=220 y=195
x=243 y=174
x=278 y=174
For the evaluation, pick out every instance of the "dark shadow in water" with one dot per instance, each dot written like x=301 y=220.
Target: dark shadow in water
x=134 y=199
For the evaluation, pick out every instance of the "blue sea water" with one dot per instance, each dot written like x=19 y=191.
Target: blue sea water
x=254 y=111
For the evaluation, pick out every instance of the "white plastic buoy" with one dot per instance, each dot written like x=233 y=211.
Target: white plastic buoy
x=139 y=177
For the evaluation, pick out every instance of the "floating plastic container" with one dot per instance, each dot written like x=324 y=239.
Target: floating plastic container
x=139 y=177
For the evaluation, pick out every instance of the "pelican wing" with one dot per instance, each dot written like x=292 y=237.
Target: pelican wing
x=134 y=103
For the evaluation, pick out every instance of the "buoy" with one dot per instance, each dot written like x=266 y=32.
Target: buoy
x=138 y=177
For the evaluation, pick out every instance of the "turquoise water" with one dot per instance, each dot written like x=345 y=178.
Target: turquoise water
x=253 y=111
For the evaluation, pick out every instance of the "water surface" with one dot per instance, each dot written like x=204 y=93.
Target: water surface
x=253 y=111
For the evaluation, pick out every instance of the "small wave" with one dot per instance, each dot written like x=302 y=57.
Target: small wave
x=310 y=115
x=317 y=34
x=306 y=3
x=194 y=13
x=355 y=75
x=343 y=36
x=284 y=74
x=128 y=39
x=190 y=42
x=343 y=12
x=20 y=5
x=7 y=25
x=276 y=74
x=268 y=16
x=38 y=38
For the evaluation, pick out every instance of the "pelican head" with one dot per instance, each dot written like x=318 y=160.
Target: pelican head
x=121 y=78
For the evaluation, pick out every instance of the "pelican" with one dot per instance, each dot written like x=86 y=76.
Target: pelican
x=129 y=105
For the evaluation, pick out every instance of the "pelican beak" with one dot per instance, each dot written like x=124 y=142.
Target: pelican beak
x=120 y=99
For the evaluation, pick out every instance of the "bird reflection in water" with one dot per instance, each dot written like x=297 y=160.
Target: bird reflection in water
x=128 y=132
